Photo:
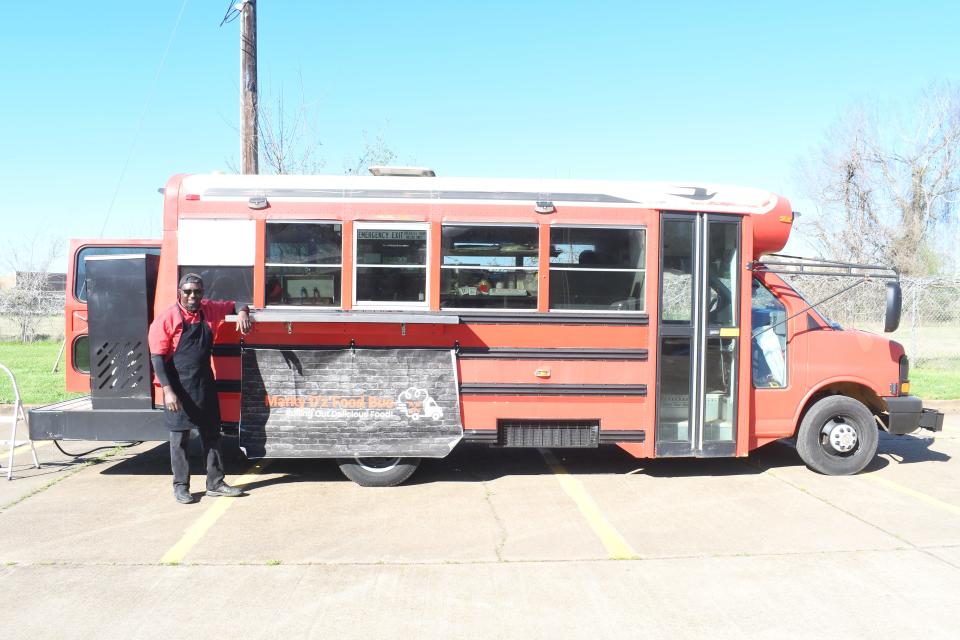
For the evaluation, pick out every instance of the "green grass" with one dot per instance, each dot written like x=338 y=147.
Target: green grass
x=31 y=364
x=937 y=379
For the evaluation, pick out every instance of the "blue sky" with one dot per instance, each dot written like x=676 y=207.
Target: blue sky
x=726 y=92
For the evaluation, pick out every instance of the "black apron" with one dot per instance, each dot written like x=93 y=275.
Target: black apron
x=192 y=380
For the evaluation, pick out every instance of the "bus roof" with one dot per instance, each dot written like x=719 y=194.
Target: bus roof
x=679 y=196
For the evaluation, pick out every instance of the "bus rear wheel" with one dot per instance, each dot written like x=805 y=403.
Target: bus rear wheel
x=837 y=436
x=378 y=472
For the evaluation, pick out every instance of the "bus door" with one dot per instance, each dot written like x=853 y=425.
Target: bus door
x=77 y=346
x=698 y=335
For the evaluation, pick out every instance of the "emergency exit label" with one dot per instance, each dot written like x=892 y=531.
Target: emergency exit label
x=374 y=234
x=376 y=402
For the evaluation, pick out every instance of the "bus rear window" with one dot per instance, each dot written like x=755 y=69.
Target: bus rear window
x=600 y=269
x=80 y=269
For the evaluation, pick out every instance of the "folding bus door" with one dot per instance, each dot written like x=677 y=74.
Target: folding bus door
x=698 y=335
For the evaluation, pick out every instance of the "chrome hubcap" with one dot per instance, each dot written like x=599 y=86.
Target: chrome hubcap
x=841 y=436
x=378 y=465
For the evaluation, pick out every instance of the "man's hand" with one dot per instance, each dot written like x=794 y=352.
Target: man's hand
x=244 y=321
x=170 y=399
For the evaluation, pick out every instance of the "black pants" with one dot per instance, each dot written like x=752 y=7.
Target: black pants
x=212 y=455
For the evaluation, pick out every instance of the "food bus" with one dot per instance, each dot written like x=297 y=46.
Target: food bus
x=399 y=314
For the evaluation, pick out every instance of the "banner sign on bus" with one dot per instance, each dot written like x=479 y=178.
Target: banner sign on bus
x=301 y=403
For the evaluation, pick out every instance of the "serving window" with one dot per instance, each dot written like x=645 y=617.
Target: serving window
x=597 y=268
x=303 y=263
x=391 y=264
x=488 y=266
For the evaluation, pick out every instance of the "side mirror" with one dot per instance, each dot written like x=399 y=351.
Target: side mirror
x=891 y=318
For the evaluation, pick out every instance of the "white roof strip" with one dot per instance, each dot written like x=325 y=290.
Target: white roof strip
x=650 y=195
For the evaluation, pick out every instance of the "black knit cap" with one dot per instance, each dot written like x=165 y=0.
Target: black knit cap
x=190 y=278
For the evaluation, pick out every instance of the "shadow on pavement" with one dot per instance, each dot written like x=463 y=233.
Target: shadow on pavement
x=467 y=463
x=907 y=449
x=482 y=463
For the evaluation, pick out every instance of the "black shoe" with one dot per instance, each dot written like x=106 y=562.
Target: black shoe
x=223 y=489
x=182 y=494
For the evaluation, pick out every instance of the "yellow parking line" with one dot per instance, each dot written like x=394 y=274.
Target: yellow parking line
x=907 y=491
x=617 y=548
x=198 y=529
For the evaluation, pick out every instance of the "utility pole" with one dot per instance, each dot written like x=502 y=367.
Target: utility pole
x=248 y=81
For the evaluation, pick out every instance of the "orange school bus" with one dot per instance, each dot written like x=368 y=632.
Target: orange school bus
x=399 y=314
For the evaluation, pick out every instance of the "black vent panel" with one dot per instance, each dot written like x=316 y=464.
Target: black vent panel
x=119 y=292
x=121 y=368
x=572 y=434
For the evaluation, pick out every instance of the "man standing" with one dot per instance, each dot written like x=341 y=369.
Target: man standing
x=181 y=341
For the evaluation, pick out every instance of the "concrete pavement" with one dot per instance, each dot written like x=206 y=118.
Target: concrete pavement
x=488 y=543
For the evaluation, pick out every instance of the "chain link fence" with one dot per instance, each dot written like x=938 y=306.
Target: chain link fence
x=930 y=323
x=26 y=317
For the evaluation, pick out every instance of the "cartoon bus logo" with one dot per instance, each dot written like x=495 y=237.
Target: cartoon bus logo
x=416 y=403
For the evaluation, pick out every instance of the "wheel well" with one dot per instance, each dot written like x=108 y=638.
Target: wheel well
x=860 y=392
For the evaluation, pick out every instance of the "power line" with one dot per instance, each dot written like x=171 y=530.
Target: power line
x=143 y=113
x=233 y=12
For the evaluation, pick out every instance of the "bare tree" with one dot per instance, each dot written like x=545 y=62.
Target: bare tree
x=32 y=298
x=885 y=185
x=289 y=140
x=375 y=152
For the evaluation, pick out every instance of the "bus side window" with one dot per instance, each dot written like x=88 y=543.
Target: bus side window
x=597 y=268
x=489 y=266
x=303 y=263
x=769 y=343
x=223 y=283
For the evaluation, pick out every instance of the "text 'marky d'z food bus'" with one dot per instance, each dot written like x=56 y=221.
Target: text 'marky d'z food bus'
x=399 y=314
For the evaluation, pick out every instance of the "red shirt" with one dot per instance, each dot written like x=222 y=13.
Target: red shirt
x=166 y=328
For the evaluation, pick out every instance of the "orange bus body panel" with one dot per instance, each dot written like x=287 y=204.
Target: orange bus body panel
x=762 y=415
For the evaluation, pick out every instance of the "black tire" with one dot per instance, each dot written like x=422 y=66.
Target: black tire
x=378 y=472
x=831 y=426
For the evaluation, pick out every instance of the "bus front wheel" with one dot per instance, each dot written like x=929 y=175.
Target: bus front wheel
x=378 y=472
x=837 y=436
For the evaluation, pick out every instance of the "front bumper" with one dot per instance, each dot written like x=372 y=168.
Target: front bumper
x=906 y=414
